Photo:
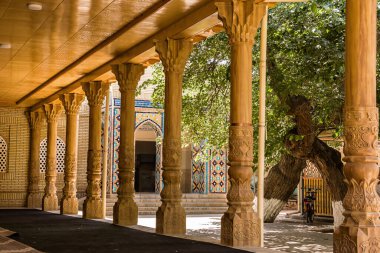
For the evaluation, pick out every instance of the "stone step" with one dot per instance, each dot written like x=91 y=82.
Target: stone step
x=194 y=211
x=148 y=203
x=184 y=196
x=185 y=204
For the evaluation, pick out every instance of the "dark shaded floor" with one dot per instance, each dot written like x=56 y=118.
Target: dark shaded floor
x=59 y=233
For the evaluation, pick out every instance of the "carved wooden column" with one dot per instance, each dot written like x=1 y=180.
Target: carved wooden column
x=34 y=197
x=50 y=200
x=93 y=204
x=170 y=216
x=71 y=102
x=360 y=231
x=240 y=225
x=125 y=211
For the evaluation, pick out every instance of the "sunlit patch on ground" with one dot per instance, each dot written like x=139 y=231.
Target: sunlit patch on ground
x=283 y=235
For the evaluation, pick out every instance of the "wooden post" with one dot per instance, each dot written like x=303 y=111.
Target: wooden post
x=125 y=211
x=71 y=103
x=50 y=199
x=240 y=224
x=93 y=207
x=360 y=231
x=105 y=154
x=262 y=123
x=170 y=216
x=34 y=197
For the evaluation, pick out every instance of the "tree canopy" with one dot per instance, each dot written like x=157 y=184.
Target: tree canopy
x=305 y=57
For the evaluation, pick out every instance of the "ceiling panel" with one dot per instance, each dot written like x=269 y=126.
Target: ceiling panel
x=57 y=44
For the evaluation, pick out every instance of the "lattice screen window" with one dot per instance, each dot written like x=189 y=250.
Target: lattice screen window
x=61 y=150
x=3 y=155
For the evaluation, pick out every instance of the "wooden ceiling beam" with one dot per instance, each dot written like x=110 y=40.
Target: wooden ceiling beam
x=150 y=11
x=205 y=15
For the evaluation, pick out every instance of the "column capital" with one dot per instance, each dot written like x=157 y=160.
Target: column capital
x=71 y=102
x=127 y=75
x=240 y=18
x=95 y=92
x=52 y=111
x=174 y=53
x=36 y=118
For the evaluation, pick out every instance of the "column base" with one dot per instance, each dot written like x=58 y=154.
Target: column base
x=50 y=203
x=240 y=228
x=171 y=219
x=93 y=209
x=69 y=205
x=125 y=213
x=358 y=237
x=34 y=200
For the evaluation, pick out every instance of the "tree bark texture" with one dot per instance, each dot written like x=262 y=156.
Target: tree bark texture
x=284 y=176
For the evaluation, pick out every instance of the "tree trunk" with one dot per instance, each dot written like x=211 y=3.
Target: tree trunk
x=280 y=183
x=326 y=159
x=329 y=164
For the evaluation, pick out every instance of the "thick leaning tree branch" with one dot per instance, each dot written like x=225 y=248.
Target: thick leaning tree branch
x=285 y=175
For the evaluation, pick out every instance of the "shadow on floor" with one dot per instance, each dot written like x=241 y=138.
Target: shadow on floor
x=59 y=233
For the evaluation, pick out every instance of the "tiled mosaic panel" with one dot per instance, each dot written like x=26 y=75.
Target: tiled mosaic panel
x=116 y=145
x=199 y=168
x=153 y=118
x=158 y=174
x=3 y=155
x=311 y=171
x=218 y=171
x=156 y=118
x=109 y=155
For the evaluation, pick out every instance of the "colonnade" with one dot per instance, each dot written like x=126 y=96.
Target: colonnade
x=240 y=224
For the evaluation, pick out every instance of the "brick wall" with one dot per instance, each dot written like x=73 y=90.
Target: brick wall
x=14 y=128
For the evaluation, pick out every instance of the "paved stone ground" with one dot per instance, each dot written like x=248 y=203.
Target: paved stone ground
x=285 y=235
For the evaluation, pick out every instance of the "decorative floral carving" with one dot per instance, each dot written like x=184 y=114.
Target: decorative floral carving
x=128 y=75
x=96 y=160
x=95 y=92
x=241 y=143
x=94 y=173
x=51 y=166
x=372 y=245
x=172 y=153
x=240 y=191
x=174 y=53
x=241 y=18
x=52 y=111
x=362 y=196
x=344 y=244
x=246 y=230
x=70 y=189
x=361 y=131
x=70 y=163
x=71 y=102
x=35 y=119
x=226 y=229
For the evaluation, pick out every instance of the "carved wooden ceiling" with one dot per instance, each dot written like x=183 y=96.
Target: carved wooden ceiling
x=69 y=41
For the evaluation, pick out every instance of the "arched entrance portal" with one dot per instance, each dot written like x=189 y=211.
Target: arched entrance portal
x=148 y=157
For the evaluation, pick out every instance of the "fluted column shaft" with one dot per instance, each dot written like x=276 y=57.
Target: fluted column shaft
x=93 y=205
x=125 y=211
x=34 y=199
x=50 y=199
x=171 y=217
x=71 y=103
x=360 y=231
x=240 y=224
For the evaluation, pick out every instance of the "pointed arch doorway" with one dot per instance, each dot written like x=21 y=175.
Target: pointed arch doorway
x=148 y=174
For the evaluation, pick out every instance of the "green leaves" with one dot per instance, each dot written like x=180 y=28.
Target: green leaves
x=305 y=57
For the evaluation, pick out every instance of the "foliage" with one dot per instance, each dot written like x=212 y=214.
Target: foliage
x=305 y=57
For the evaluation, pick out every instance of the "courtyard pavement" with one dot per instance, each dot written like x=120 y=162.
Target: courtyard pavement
x=284 y=235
